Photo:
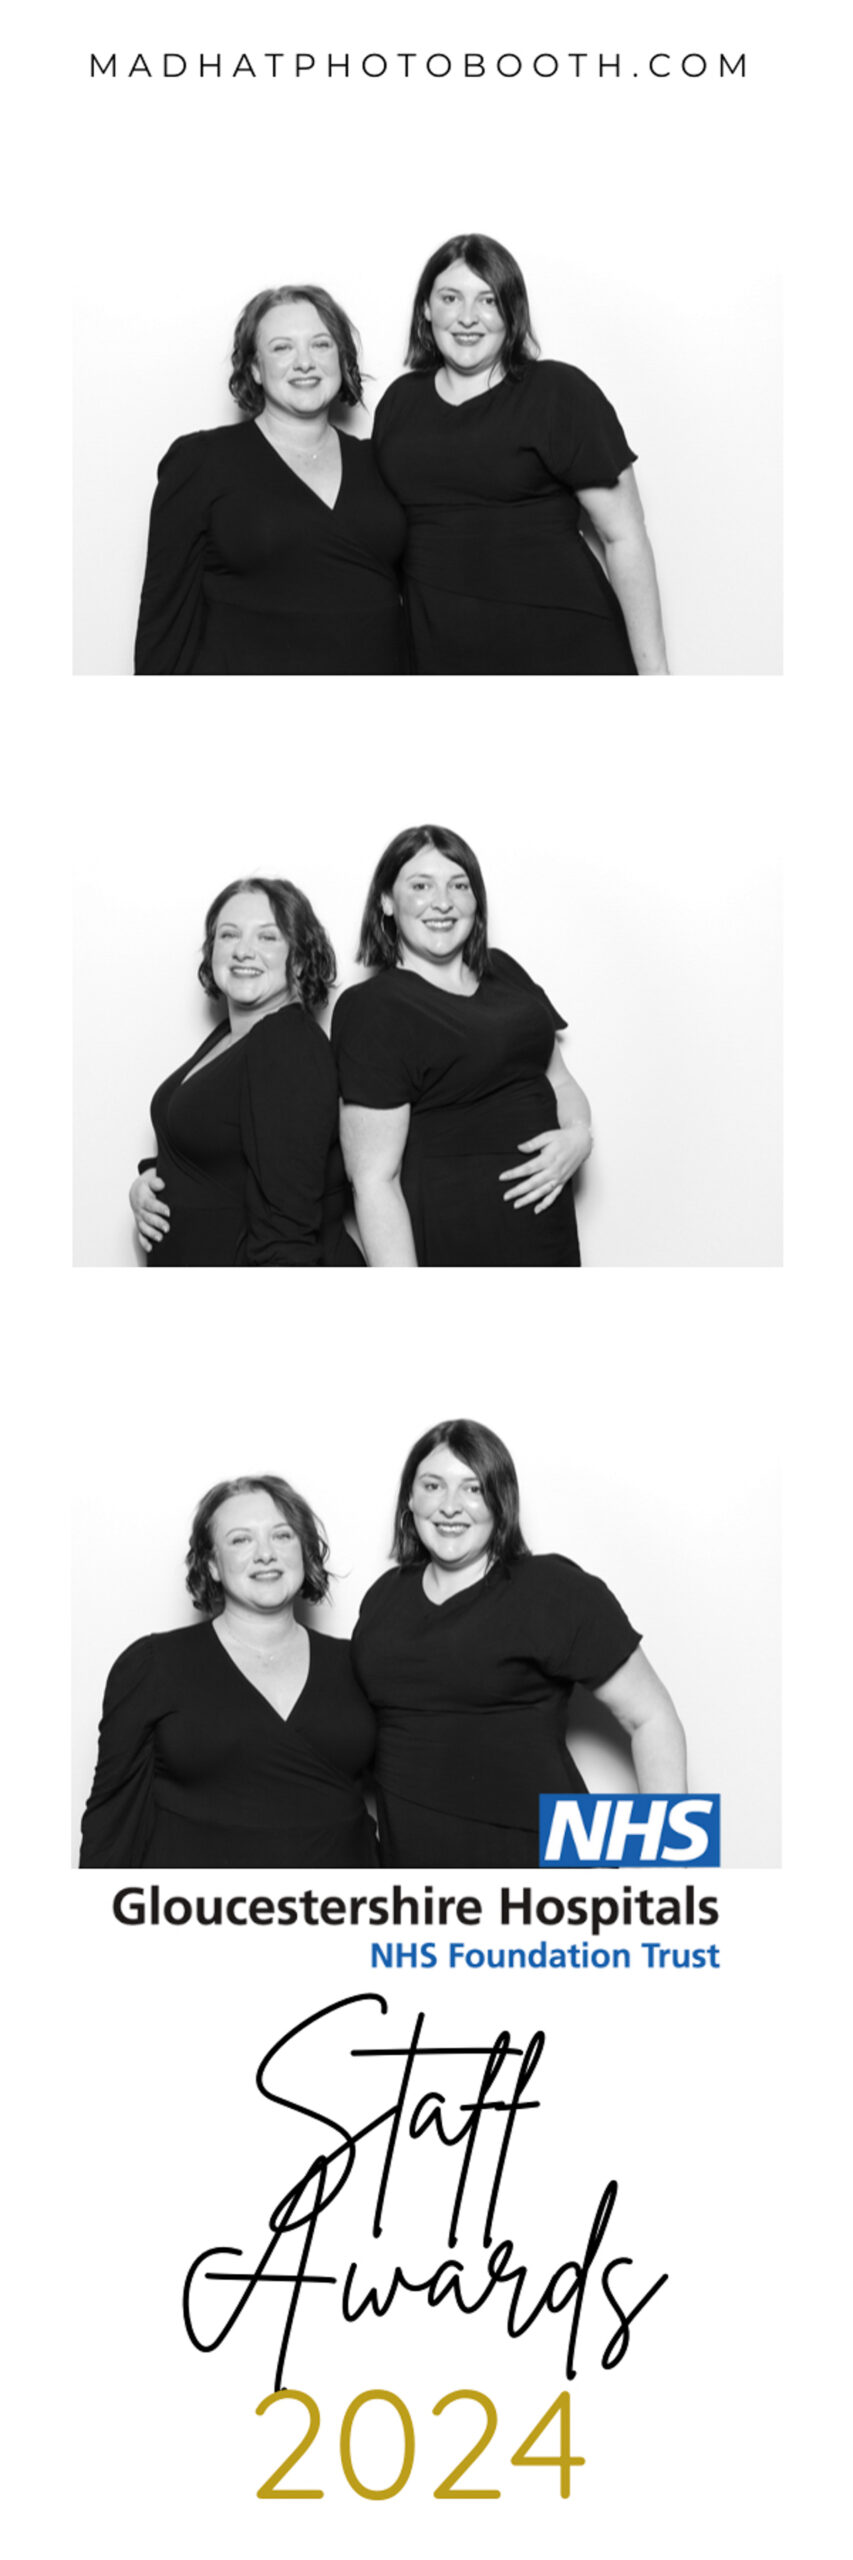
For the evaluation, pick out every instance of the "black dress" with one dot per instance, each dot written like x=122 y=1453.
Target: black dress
x=470 y=1700
x=249 y=573
x=498 y=578
x=248 y=1151
x=196 y=1769
x=473 y=1072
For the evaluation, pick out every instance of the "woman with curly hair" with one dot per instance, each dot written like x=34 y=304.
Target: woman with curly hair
x=275 y=550
x=241 y=1742
x=499 y=459
x=248 y=1166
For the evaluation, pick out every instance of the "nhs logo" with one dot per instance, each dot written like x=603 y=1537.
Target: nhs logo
x=629 y=1831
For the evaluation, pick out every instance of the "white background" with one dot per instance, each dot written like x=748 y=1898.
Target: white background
x=132 y=2123
x=644 y=214
x=651 y=916
x=672 y=2085
x=644 y=1432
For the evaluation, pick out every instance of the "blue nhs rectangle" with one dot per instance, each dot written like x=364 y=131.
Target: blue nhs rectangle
x=629 y=1831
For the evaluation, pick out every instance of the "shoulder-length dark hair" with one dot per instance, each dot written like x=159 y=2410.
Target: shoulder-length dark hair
x=204 y=1592
x=242 y=385
x=377 y=944
x=502 y=273
x=311 y=964
x=489 y=1460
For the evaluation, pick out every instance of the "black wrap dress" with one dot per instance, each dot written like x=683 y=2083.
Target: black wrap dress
x=196 y=1769
x=250 y=573
x=498 y=577
x=248 y=1151
x=471 y=1699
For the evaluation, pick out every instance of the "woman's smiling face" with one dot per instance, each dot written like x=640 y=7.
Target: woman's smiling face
x=249 y=955
x=433 y=906
x=255 y=1555
x=450 y=1511
x=465 y=317
x=296 y=362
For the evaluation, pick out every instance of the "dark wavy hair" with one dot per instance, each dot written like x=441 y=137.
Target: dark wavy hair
x=204 y=1592
x=242 y=385
x=488 y=1459
x=377 y=944
x=502 y=273
x=311 y=964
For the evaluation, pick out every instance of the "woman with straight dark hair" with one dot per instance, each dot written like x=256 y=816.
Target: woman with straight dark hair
x=240 y=1742
x=470 y=1651
x=494 y=454
x=248 y=1166
x=275 y=549
x=461 y=1126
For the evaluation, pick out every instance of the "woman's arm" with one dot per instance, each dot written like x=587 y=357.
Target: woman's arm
x=558 y=1153
x=573 y=1109
x=644 y=1709
x=616 y=515
x=374 y=1144
x=288 y=1122
x=119 y=1817
x=171 y=611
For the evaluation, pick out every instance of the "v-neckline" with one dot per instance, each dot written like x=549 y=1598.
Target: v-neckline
x=457 y=995
x=251 y=1684
x=457 y=406
x=328 y=509
x=216 y=1039
x=437 y=1607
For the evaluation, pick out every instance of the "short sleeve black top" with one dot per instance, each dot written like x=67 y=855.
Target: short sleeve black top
x=400 y=1038
x=192 y=1758
x=489 y=487
x=248 y=1150
x=471 y=1697
x=249 y=572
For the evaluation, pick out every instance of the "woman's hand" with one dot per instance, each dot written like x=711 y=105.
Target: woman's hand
x=151 y=1215
x=557 y=1156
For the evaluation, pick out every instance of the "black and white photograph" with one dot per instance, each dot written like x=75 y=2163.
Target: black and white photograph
x=464 y=508
x=415 y=1898
x=381 y=1648
x=544 y=1033
x=459 y=377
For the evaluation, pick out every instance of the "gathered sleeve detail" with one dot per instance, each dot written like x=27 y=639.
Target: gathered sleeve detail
x=172 y=609
x=288 y=1125
x=373 y=1041
x=583 y=1631
x=119 y=1819
x=587 y=447
x=513 y=975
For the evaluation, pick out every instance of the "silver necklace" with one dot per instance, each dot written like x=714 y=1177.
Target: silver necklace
x=296 y=450
x=259 y=1653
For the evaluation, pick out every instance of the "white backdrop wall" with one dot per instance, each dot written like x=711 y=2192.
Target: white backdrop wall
x=645 y=1438
x=218 y=189
x=652 y=919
